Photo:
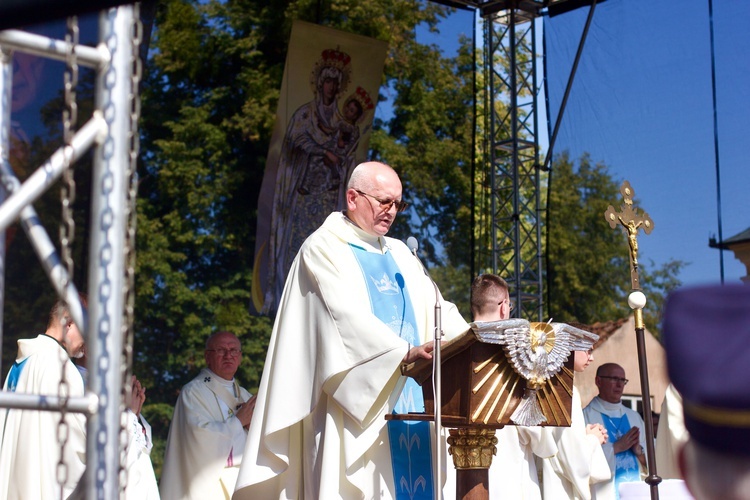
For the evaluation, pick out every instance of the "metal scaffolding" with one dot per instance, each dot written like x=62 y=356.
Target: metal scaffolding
x=112 y=134
x=513 y=155
x=507 y=237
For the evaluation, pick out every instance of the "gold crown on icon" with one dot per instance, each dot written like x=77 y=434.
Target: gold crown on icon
x=363 y=98
x=336 y=59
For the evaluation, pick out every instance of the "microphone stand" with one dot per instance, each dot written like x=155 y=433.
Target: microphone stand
x=437 y=381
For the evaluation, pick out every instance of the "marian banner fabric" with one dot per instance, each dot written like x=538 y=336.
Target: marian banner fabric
x=326 y=106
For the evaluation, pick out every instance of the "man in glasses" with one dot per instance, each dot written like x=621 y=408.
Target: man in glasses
x=513 y=472
x=209 y=427
x=356 y=306
x=625 y=449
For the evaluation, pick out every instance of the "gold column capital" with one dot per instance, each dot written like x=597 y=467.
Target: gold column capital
x=473 y=447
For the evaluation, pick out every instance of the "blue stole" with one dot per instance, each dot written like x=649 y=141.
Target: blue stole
x=411 y=454
x=627 y=468
x=14 y=374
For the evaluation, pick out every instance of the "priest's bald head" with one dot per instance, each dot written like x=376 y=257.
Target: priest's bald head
x=373 y=197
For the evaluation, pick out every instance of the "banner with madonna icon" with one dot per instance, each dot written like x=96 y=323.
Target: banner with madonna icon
x=323 y=122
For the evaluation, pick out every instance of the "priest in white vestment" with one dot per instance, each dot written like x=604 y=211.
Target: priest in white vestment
x=29 y=448
x=626 y=444
x=208 y=430
x=29 y=444
x=332 y=371
x=580 y=460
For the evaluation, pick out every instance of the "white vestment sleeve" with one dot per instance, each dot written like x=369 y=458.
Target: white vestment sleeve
x=672 y=435
x=580 y=460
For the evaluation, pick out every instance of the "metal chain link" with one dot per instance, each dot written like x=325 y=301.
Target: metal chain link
x=131 y=216
x=67 y=225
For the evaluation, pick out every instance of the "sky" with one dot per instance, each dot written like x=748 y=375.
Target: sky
x=642 y=104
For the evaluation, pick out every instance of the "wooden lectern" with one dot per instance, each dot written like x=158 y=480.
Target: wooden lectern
x=480 y=391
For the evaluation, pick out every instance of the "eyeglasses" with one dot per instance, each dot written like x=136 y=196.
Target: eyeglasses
x=234 y=352
x=385 y=205
x=623 y=381
x=510 y=304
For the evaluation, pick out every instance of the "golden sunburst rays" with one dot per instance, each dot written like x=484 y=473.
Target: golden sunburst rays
x=498 y=382
x=558 y=412
x=542 y=335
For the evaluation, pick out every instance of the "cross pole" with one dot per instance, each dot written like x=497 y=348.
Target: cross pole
x=631 y=221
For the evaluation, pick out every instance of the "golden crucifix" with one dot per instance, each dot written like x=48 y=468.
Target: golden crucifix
x=630 y=221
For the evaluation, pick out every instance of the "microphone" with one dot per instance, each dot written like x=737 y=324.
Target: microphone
x=413 y=245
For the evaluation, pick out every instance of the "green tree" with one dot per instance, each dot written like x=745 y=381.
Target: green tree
x=208 y=108
x=209 y=99
x=588 y=270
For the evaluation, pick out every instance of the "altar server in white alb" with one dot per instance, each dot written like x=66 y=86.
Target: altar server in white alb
x=513 y=473
x=355 y=307
x=29 y=449
x=29 y=443
x=209 y=427
x=580 y=460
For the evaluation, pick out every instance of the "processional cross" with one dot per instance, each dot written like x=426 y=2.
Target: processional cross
x=631 y=221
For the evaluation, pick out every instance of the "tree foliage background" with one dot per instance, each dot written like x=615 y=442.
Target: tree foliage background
x=588 y=267
x=209 y=102
x=209 y=98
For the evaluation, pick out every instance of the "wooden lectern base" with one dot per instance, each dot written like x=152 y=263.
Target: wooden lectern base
x=472 y=449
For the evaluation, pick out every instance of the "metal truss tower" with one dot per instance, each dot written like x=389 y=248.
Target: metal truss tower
x=512 y=153
x=507 y=233
x=508 y=207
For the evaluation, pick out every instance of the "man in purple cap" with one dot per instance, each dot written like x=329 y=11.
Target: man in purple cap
x=707 y=340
